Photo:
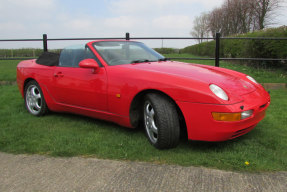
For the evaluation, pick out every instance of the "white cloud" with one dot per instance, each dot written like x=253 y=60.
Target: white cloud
x=31 y=4
x=120 y=22
x=11 y=26
x=20 y=18
x=159 y=6
x=26 y=9
x=79 y=24
x=129 y=6
x=105 y=18
x=173 y=22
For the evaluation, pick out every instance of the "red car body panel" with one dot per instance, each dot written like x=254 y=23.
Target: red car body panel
x=108 y=93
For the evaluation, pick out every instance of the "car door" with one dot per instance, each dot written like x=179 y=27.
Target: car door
x=79 y=87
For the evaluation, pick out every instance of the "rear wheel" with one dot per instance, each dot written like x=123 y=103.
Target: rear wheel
x=34 y=99
x=161 y=121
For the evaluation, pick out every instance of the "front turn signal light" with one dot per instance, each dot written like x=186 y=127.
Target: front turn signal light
x=226 y=116
x=232 y=116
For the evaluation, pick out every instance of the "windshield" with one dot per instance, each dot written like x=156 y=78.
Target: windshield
x=124 y=52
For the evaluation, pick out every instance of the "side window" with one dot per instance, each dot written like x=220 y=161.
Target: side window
x=90 y=55
x=65 y=58
x=71 y=56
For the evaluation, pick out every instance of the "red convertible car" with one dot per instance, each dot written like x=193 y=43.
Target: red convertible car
x=132 y=85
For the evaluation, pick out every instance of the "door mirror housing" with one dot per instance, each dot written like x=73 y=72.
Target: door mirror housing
x=89 y=63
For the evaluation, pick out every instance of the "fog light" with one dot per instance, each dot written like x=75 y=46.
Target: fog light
x=246 y=114
x=226 y=116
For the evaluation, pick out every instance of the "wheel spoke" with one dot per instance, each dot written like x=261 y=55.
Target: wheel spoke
x=149 y=111
x=37 y=107
x=37 y=96
x=31 y=103
x=150 y=126
x=35 y=93
x=153 y=128
x=28 y=95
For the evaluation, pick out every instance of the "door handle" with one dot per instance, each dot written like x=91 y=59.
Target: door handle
x=58 y=74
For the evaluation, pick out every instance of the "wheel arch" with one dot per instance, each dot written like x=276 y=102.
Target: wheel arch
x=137 y=103
x=27 y=81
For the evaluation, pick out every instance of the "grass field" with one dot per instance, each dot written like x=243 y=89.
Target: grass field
x=71 y=135
x=8 y=70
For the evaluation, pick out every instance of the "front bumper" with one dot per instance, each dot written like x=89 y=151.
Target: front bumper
x=201 y=125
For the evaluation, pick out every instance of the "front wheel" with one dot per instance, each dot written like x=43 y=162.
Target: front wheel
x=161 y=121
x=34 y=99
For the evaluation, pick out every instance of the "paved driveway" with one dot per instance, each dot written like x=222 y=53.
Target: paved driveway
x=41 y=173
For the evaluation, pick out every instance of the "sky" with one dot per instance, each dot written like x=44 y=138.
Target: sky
x=103 y=18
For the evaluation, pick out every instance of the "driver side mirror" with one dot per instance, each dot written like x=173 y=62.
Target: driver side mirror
x=89 y=63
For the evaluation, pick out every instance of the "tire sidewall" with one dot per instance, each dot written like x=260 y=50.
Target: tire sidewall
x=162 y=126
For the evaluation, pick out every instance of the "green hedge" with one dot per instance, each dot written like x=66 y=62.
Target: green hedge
x=246 y=48
x=202 y=49
x=25 y=52
x=166 y=50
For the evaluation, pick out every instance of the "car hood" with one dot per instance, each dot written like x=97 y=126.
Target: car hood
x=231 y=81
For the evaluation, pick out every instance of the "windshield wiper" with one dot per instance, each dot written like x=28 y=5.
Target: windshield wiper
x=163 y=59
x=146 y=60
x=140 y=61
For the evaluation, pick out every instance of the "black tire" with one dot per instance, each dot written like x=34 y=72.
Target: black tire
x=161 y=121
x=34 y=99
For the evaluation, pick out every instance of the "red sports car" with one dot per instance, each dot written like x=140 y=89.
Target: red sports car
x=132 y=85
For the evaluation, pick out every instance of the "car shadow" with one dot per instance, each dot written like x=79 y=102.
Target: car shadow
x=220 y=145
x=184 y=143
x=98 y=122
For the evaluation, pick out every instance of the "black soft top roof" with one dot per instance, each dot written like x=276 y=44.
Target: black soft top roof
x=48 y=59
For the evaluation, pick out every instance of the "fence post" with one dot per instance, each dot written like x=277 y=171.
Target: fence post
x=45 y=44
x=217 y=47
x=127 y=36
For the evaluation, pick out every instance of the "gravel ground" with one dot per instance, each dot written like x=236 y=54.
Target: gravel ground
x=42 y=173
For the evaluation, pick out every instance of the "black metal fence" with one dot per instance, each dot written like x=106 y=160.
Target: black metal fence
x=216 y=58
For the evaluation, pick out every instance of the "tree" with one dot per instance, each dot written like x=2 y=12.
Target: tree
x=233 y=17
x=239 y=16
x=215 y=21
x=263 y=12
x=236 y=17
x=200 y=27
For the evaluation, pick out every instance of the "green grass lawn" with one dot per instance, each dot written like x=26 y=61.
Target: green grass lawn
x=71 y=135
x=8 y=70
